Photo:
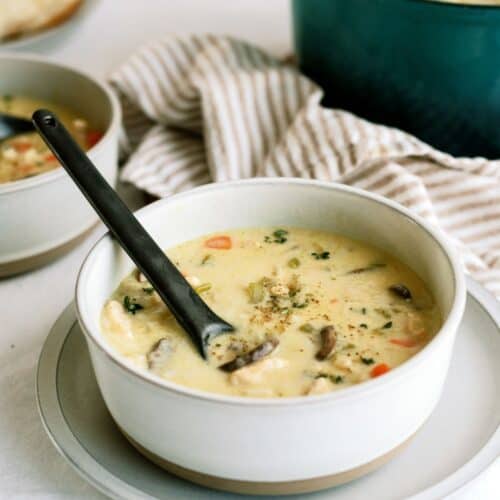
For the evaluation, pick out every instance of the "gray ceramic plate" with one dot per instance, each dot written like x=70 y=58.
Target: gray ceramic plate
x=459 y=441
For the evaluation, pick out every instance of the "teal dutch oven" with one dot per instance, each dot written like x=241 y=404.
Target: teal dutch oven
x=427 y=67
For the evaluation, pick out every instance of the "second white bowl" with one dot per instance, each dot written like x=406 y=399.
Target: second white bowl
x=42 y=216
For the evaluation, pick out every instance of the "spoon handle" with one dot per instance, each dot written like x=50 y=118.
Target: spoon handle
x=184 y=303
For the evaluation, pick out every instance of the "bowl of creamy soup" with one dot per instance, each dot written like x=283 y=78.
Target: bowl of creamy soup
x=41 y=210
x=345 y=308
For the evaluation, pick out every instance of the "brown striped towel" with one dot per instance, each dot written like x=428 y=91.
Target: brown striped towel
x=208 y=108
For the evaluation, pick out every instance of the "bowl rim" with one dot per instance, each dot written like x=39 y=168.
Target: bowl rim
x=109 y=133
x=456 y=4
x=451 y=321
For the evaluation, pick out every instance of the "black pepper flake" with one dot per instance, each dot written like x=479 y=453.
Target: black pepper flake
x=321 y=255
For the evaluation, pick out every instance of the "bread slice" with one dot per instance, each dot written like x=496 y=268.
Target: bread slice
x=20 y=17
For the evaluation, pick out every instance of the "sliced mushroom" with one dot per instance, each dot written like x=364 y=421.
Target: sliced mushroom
x=328 y=341
x=401 y=291
x=160 y=354
x=140 y=277
x=252 y=356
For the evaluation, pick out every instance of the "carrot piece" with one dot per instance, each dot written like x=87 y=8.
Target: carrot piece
x=21 y=147
x=219 y=242
x=50 y=157
x=93 y=137
x=404 y=342
x=379 y=369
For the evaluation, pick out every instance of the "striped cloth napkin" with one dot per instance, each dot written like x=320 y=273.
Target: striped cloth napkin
x=208 y=108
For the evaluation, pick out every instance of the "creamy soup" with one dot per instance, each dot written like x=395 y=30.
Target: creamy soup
x=26 y=155
x=314 y=312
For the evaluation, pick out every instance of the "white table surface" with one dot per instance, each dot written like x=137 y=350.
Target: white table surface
x=103 y=36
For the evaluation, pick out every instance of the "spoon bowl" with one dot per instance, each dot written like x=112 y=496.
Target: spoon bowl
x=13 y=125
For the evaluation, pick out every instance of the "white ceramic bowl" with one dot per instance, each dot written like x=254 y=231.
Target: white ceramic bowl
x=278 y=445
x=41 y=216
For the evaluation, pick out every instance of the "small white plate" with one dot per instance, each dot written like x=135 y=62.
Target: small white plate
x=459 y=441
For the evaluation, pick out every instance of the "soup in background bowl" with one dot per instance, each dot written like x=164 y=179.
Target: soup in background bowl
x=26 y=155
x=255 y=444
x=42 y=212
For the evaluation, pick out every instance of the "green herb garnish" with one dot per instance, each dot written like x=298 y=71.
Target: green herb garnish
x=306 y=328
x=130 y=305
x=279 y=236
x=321 y=255
x=388 y=325
x=148 y=290
x=363 y=325
x=367 y=361
x=336 y=379
x=299 y=305
x=204 y=287
x=206 y=259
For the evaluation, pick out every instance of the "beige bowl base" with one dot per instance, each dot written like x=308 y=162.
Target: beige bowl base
x=22 y=265
x=267 y=488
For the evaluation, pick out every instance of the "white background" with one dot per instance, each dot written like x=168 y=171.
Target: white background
x=102 y=36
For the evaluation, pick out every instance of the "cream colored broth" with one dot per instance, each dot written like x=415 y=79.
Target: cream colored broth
x=26 y=155
x=286 y=284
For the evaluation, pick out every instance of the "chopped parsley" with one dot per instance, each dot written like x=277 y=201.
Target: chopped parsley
x=206 y=259
x=130 y=305
x=388 y=325
x=336 y=379
x=204 y=287
x=321 y=255
x=298 y=305
x=279 y=236
x=367 y=361
x=148 y=290
x=363 y=325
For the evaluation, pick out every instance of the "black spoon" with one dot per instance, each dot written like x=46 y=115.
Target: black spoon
x=13 y=125
x=191 y=312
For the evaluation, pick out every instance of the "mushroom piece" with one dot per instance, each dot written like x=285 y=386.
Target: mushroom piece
x=328 y=341
x=252 y=356
x=140 y=277
x=159 y=354
x=401 y=291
